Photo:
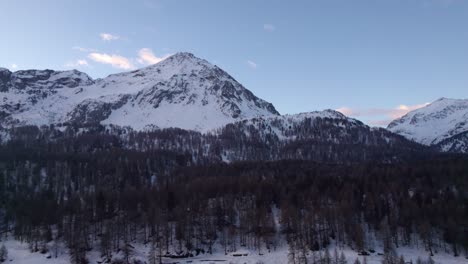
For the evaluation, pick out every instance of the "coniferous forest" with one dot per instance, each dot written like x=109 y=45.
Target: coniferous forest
x=90 y=192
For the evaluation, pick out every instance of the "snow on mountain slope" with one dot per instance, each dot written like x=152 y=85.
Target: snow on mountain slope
x=309 y=132
x=457 y=143
x=284 y=126
x=182 y=91
x=434 y=123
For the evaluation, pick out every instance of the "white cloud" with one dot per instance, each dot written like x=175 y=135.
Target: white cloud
x=77 y=63
x=389 y=114
x=269 y=27
x=14 y=66
x=252 y=64
x=108 y=37
x=402 y=110
x=147 y=57
x=115 y=61
x=84 y=49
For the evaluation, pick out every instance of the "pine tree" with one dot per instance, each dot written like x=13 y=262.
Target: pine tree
x=314 y=258
x=152 y=254
x=401 y=260
x=105 y=245
x=390 y=257
x=419 y=261
x=364 y=260
x=78 y=256
x=3 y=253
x=55 y=248
x=327 y=257
x=342 y=259
x=430 y=260
x=127 y=251
x=291 y=253
x=357 y=261
x=336 y=257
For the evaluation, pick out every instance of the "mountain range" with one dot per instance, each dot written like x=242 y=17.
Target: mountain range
x=189 y=93
x=182 y=91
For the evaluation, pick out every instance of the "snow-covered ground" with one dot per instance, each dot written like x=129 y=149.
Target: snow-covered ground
x=19 y=253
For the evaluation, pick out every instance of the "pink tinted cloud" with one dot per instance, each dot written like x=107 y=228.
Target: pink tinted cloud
x=389 y=114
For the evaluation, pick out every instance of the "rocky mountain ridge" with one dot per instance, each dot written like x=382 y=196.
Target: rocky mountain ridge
x=182 y=91
x=442 y=124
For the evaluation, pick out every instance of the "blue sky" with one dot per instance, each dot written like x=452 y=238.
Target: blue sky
x=372 y=59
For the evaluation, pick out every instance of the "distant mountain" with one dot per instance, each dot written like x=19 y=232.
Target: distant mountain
x=322 y=136
x=182 y=91
x=188 y=93
x=442 y=124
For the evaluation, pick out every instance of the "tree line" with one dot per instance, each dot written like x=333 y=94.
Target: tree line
x=109 y=198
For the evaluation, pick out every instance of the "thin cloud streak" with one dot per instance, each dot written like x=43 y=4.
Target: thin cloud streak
x=78 y=48
x=108 y=37
x=269 y=27
x=252 y=64
x=77 y=63
x=389 y=113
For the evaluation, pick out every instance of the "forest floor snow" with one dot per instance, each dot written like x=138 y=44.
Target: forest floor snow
x=19 y=253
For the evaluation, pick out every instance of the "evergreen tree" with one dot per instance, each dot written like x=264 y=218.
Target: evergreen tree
x=430 y=260
x=152 y=258
x=390 y=257
x=401 y=260
x=326 y=257
x=291 y=253
x=336 y=257
x=3 y=253
x=342 y=259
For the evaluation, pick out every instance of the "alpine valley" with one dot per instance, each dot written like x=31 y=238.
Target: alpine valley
x=179 y=161
x=186 y=97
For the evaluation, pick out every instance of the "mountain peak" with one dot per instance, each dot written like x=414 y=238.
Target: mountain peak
x=4 y=69
x=181 y=91
x=445 y=100
x=183 y=55
x=181 y=63
x=429 y=125
x=335 y=114
x=441 y=99
x=184 y=58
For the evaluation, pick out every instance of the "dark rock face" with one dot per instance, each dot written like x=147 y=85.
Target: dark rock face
x=92 y=112
x=5 y=76
x=48 y=79
x=455 y=144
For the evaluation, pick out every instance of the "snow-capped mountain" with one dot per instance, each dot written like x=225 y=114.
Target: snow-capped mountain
x=443 y=123
x=285 y=126
x=320 y=136
x=182 y=91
